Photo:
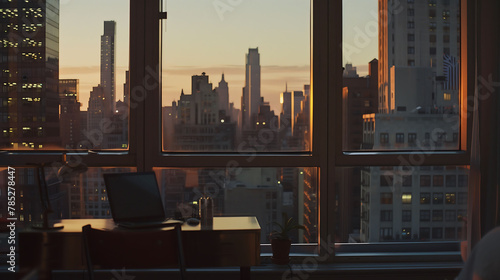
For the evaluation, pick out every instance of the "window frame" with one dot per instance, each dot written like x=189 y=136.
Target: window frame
x=460 y=156
x=327 y=153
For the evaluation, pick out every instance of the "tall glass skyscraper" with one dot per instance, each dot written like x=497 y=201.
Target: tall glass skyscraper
x=29 y=77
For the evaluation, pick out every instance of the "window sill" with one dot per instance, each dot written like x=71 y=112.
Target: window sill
x=306 y=270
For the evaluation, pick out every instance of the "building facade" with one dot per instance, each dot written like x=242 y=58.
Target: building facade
x=423 y=34
x=108 y=59
x=251 y=92
x=29 y=99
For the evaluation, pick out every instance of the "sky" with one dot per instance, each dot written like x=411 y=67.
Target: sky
x=213 y=37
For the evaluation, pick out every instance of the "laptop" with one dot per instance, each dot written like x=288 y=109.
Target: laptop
x=135 y=200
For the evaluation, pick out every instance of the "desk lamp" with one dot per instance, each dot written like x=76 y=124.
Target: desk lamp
x=65 y=171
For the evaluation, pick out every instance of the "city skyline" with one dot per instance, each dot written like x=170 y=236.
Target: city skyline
x=285 y=56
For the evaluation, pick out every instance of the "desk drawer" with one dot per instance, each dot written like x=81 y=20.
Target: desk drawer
x=213 y=248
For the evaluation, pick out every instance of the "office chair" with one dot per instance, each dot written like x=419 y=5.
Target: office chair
x=133 y=249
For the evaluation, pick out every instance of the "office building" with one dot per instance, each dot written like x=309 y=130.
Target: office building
x=293 y=105
x=70 y=126
x=200 y=125
x=255 y=191
x=126 y=88
x=415 y=202
x=251 y=92
x=418 y=107
x=223 y=93
x=108 y=60
x=116 y=135
x=95 y=117
x=406 y=40
x=359 y=97
x=29 y=107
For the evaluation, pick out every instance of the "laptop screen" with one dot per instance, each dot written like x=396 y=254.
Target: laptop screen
x=134 y=197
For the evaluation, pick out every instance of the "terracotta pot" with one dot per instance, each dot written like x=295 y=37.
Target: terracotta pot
x=281 y=251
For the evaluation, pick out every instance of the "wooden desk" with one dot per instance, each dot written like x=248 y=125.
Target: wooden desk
x=233 y=241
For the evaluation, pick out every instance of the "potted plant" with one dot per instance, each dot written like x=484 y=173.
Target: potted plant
x=280 y=239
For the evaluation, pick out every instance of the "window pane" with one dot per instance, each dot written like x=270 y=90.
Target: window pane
x=266 y=193
x=61 y=79
x=367 y=211
x=229 y=85
x=72 y=194
x=401 y=78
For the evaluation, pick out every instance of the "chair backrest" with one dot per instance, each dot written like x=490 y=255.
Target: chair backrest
x=133 y=249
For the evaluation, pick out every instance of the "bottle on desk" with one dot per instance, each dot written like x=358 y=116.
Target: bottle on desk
x=206 y=211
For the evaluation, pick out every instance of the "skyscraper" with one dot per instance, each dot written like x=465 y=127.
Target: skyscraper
x=29 y=101
x=418 y=95
x=197 y=116
x=95 y=114
x=70 y=126
x=251 y=92
x=411 y=48
x=108 y=83
x=223 y=93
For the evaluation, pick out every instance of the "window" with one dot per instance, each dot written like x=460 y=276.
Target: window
x=450 y=198
x=437 y=180
x=411 y=25
x=411 y=12
x=461 y=214
x=177 y=160
x=406 y=198
x=432 y=38
x=451 y=215
x=446 y=14
x=425 y=180
x=425 y=198
x=437 y=198
x=432 y=13
x=432 y=51
x=407 y=180
x=437 y=215
x=447 y=96
x=450 y=233
x=432 y=27
x=463 y=181
x=446 y=26
x=437 y=233
x=446 y=38
x=412 y=139
x=384 y=138
x=385 y=198
x=386 y=180
x=451 y=181
x=406 y=216
x=400 y=138
x=411 y=50
x=386 y=234
x=462 y=198
x=425 y=215
x=386 y=215
x=406 y=233
x=425 y=233
x=411 y=37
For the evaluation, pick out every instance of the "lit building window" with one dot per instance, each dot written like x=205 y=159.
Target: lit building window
x=406 y=198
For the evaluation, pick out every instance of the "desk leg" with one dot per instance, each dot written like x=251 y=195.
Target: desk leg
x=244 y=273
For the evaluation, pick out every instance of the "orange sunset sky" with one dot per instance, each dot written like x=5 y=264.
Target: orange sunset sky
x=212 y=37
